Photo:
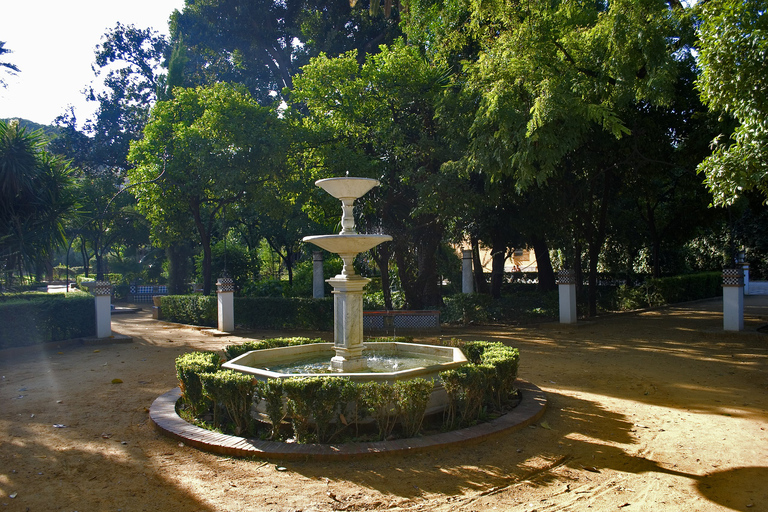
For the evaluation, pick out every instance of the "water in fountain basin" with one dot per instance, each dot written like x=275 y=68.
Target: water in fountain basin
x=378 y=362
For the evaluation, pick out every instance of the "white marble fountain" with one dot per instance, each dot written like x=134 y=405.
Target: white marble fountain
x=348 y=356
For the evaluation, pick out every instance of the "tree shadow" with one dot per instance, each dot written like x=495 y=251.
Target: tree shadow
x=76 y=475
x=742 y=489
x=566 y=438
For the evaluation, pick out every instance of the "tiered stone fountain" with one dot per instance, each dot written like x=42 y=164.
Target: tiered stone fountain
x=348 y=356
x=348 y=286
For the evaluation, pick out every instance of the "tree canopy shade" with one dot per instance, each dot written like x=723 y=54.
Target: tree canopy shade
x=545 y=73
x=733 y=55
x=203 y=150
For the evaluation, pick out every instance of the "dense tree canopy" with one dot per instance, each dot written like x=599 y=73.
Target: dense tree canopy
x=733 y=51
x=203 y=150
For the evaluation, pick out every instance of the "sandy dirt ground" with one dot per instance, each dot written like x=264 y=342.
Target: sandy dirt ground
x=654 y=411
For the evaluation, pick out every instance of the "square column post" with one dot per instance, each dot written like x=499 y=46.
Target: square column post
x=348 y=323
x=318 y=285
x=225 y=290
x=745 y=269
x=733 y=299
x=102 y=291
x=566 y=284
x=467 y=280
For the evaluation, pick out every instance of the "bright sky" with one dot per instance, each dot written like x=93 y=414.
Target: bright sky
x=53 y=44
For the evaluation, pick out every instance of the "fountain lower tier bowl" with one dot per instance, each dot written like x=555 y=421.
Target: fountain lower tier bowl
x=347 y=244
x=406 y=360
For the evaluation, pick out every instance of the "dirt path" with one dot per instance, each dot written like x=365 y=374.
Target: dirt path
x=659 y=411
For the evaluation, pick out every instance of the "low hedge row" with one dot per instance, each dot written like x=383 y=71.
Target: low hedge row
x=30 y=319
x=668 y=290
x=251 y=312
x=483 y=386
x=326 y=408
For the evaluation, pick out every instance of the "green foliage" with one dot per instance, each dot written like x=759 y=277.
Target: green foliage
x=204 y=149
x=504 y=361
x=233 y=390
x=322 y=399
x=377 y=399
x=190 y=309
x=412 y=397
x=668 y=290
x=36 y=198
x=189 y=367
x=233 y=351
x=733 y=42
x=271 y=391
x=252 y=313
x=518 y=304
x=32 y=318
x=486 y=381
x=235 y=258
x=281 y=313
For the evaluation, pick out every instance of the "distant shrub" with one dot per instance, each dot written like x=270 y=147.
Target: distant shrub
x=32 y=318
x=190 y=309
x=667 y=290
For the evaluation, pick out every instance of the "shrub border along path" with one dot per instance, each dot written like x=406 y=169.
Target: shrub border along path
x=164 y=417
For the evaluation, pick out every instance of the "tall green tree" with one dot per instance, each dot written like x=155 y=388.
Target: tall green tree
x=382 y=119
x=733 y=44
x=262 y=44
x=205 y=149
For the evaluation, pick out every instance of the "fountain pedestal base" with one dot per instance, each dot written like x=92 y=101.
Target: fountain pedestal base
x=348 y=322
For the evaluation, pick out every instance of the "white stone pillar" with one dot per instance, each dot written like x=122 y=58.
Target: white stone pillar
x=745 y=270
x=566 y=284
x=467 y=279
x=348 y=323
x=225 y=289
x=733 y=299
x=318 y=285
x=102 y=291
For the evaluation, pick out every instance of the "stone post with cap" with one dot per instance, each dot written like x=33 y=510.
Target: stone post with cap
x=102 y=291
x=318 y=284
x=733 y=299
x=566 y=284
x=225 y=290
x=467 y=282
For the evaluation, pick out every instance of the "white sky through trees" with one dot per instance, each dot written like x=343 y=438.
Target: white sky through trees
x=52 y=43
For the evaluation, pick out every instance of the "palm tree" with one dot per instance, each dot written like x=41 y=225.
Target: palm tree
x=7 y=66
x=35 y=199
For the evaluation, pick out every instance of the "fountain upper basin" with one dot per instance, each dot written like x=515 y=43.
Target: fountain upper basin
x=347 y=244
x=346 y=187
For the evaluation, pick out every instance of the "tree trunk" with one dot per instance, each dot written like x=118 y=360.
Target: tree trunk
x=178 y=268
x=381 y=256
x=205 y=241
x=547 y=282
x=499 y=253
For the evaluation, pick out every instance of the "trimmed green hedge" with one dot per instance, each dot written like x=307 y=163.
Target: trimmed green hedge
x=190 y=309
x=669 y=290
x=251 y=312
x=30 y=319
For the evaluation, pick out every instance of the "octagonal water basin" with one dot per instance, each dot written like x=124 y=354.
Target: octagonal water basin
x=405 y=360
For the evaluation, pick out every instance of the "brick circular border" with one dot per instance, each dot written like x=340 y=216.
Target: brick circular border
x=163 y=415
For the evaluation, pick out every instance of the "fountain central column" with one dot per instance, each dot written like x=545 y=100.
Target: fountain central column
x=348 y=322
